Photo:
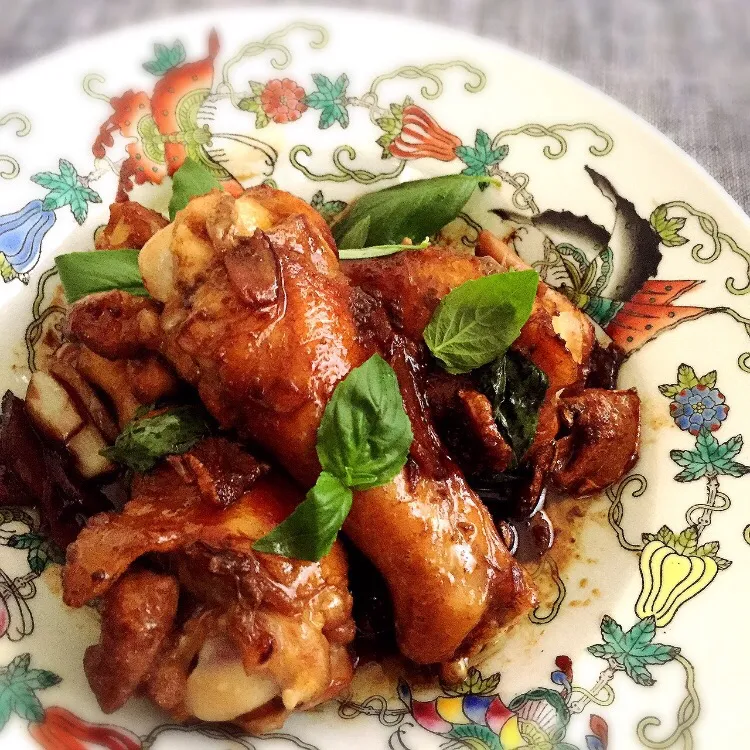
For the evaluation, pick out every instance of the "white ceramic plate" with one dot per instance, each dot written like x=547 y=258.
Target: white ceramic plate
x=328 y=104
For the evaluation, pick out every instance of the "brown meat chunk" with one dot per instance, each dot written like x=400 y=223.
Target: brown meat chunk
x=138 y=614
x=115 y=324
x=264 y=634
x=130 y=226
x=602 y=442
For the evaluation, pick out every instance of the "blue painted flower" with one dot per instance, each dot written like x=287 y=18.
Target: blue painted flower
x=21 y=235
x=697 y=407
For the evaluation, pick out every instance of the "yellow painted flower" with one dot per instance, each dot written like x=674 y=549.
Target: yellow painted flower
x=674 y=569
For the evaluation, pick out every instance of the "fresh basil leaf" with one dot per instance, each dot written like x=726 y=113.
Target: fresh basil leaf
x=82 y=274
x=477 y=321
x=415 y=209
x=380 y=251
x=365 y=434
x=516 y=388
x=356 y=236
x=145 y=440
x=310 y=531
x=189 y=181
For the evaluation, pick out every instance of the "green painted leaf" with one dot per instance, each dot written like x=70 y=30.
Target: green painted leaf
x=330 y=99
x=29 y=540
x=18 y=666
x=317 y=100
x=706 y=446
x=68 y=173
x=481 y=156
x=6 y=704
x=686 y=376
x=474 y=684
x=66 y=189
x=668 y=229
x=18 y=684
x=329 y=210
x=732 y=469
x=633 y=651
x=365 y=434
x=477 y=321
x=165 y=58
x=730 y=448
x=690 y=475
x=709 y=379
x=40 y=557
x=310 y=531
x=86 y=273
x=686 y=542
x=689 y=459
x=670 y=391
x=39 y=679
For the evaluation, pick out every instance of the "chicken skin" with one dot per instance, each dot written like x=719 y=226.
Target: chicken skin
x=260 y=319
x=256 y=635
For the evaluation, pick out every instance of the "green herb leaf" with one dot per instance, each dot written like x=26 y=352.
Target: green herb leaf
x=82 y=274
x=145 y=440
x=365 y=434
x=380 y=251
x=310 y=531
x=479 y=320
x=516 y=388
x=189 y=181
x=414 y=209
x=356 y=235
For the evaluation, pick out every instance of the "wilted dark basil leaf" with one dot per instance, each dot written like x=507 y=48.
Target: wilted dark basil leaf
x=516 y=388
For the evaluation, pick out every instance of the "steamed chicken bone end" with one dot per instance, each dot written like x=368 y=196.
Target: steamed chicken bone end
x=269 y=370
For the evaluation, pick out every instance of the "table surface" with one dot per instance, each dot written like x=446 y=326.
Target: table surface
x=683 y=65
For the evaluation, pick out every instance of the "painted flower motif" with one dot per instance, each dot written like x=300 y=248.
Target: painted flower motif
x=283 y=101
x=21 y=235
x=697 y=407
x=412 y=133
x=674 y=569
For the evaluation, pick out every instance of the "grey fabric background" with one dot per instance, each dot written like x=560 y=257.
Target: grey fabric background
x=684 y=65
